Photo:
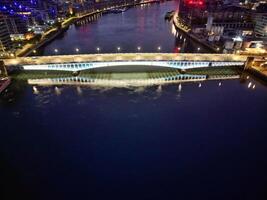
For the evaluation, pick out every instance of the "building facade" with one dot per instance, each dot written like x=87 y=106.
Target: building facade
x=261 y=25
x=5 y=40
x=260 y=19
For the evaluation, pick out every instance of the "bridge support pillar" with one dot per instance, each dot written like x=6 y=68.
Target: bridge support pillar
x=249 y=63
x=3 y=71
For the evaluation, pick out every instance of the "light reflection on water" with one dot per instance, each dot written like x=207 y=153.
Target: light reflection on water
x=135 y=130
x=51 y=95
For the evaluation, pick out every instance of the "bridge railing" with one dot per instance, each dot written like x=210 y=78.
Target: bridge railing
x=123 y=57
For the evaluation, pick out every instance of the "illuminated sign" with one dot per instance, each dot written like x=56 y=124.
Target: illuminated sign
x=195 y=3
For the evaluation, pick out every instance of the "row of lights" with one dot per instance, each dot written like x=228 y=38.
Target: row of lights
x=98 y=49
x=118 y=49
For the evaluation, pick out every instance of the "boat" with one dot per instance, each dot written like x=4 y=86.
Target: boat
x=169 y=15
x=117 y=10
x=4 y=83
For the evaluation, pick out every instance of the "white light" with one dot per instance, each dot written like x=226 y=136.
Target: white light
x=35 y=90
x=77 y=50
x=159 y=48
x=98 y=49
x=238 y=39
x=57 y=90
x=138 y=48
x=56 y=50
x=118 y=48
x=254 y=86
x=198 y=48
x=180 y=87
x=249 y=85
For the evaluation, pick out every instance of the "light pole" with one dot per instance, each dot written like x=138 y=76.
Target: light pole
x=138 y=48
x=98 y=49
x=159 y=48
x=118 y=49
x=77 y=50
x=198 y=49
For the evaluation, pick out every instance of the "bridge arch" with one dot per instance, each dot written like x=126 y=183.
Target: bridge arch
x=80 y=66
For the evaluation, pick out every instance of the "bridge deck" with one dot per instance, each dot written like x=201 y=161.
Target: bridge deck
x=122 y=57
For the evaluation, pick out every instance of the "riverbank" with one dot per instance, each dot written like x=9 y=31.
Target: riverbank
x=185 y=30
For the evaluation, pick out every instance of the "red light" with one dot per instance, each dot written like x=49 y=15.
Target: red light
x=177 y=50
x=195 y=3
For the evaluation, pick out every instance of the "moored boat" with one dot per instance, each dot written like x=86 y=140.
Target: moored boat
x=169 y=15
x=4 y=83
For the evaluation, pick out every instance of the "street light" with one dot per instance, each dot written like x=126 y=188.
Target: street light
x=218 y=49
x=159 y=48
x=77 y=50
x=138 y=48
x=56 y=50
x=34 y=51
x=198 y=49
x=98 y=49
x=118 y=49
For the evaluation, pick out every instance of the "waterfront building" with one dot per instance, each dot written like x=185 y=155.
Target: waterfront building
x=193 y=12
x=261 y=20
x=5 y=40
x=30 y=10
x=234 y=19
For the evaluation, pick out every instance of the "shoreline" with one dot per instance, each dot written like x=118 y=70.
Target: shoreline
x=191 y=36
x=258 y=73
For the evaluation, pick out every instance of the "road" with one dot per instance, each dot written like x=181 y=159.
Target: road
x=122 y=57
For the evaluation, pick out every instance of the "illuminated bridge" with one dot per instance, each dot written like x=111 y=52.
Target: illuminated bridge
x=81 y=62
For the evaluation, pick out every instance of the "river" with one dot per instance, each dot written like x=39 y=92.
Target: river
x=193 y=141
x=143 y=26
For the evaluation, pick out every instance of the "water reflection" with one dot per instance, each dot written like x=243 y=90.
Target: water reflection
x=180 y=87
x=35 y=90
x=57 y=91
x=79 y=90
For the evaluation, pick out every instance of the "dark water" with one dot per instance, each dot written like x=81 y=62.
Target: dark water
x=207 y=142
x=143 y=27
x=133 y=143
